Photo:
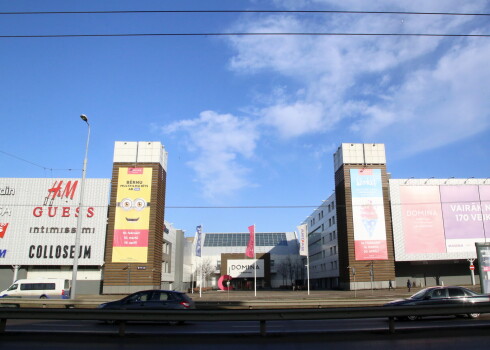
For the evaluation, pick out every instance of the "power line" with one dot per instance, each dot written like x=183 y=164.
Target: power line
x=239 y=34
x=392 y=204
x=244 y=11
x=32 y=163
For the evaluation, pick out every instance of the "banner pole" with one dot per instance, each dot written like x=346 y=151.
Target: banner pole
x=200 y=259
x=255 y=268
x=192 y=277
x=200 y=278
x=308 y=272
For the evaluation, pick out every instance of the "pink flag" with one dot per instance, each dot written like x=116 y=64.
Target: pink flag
x=250 y=252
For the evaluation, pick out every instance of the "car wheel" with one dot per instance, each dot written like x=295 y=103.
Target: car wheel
x=412 y=318
x=43 y=297
x=473 y=315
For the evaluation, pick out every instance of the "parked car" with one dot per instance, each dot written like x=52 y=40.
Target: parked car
x=42 y=288
x=152 y=300
x=442 y=296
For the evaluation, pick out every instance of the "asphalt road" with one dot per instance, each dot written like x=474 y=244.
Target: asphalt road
x=243 y=327
x=428 y=337
x=436 y=333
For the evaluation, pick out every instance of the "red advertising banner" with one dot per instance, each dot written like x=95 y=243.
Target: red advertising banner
x=250 y=251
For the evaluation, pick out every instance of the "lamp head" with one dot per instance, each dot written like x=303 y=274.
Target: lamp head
x=84 y=118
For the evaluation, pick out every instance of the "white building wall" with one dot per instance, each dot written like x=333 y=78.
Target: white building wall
x=323 y=241
x=188 y=276
x=168 y=268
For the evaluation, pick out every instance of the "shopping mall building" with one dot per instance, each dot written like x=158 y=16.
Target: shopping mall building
x=372 y=230
x=384 y=229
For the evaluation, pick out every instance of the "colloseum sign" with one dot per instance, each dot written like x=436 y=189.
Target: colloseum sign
x=38 y=221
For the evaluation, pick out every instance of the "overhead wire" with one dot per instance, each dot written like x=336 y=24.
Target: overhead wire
x=32 y=163
x=244 y=33
x=240 y=34
x=245 y=11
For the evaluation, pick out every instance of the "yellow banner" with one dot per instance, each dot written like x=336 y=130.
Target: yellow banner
x=132 y=219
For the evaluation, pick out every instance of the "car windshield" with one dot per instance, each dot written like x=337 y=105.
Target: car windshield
x=13 y=287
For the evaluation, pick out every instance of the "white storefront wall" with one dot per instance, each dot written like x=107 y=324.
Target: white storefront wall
x=39 y=221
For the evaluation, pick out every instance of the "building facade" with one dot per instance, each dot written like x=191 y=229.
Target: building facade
x=135 y=233
x=38 y=224
x=277 y=263
x=372 y=231
x=323 y=247
x=394 y=230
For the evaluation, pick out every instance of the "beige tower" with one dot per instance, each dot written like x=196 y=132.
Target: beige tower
x=133 y=254
x=365 y=235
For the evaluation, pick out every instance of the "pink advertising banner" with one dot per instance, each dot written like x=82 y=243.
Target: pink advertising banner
x=368 y=215
x=422 y=219
x=484 y=192
x=445 y=218
x=462 y=212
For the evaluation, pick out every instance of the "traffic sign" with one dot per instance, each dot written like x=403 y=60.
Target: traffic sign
x=472 y=267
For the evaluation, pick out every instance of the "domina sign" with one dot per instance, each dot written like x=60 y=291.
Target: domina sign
x=245 y=268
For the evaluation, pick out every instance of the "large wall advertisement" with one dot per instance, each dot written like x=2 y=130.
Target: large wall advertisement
x=38 y=221
x=132 y=220
x=438 y=222
x=368 y=215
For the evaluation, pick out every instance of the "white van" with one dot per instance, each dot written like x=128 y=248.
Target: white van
x=42 y=288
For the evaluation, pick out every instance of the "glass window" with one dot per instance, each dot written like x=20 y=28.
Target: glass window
x=455 y=292
x=241 y=239
x=13 y=287
x=160 y=296
x=136 y=298
x=49 y=286
x=439 y=293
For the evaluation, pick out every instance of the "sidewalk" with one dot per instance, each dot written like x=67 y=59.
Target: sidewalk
x=287 y=295
x=278 y=295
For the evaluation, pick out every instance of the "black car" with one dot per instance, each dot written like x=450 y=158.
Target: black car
x=442 y=296
x=152 y=300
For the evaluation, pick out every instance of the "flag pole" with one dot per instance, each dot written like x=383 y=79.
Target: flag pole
x=303 y=250
x=198 y=250
x=200 y=278
x=308 y=272
x=192 y=277
x=255 y=268
x=308 y=260
x=200 y=259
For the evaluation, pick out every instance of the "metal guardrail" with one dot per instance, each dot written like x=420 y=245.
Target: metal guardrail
x=261 y=316
x=226 y=304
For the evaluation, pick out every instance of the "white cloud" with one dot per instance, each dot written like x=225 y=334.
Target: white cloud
x=220 y=142
x=435 y=107
x=294 y=119
x=414 y=93
x=427 y=89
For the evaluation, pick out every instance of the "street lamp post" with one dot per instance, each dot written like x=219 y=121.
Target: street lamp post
x=80 y=215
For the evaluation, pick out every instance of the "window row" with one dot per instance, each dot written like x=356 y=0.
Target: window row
x=241 y=239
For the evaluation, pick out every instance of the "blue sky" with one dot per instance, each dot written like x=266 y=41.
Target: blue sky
x=246 y=120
